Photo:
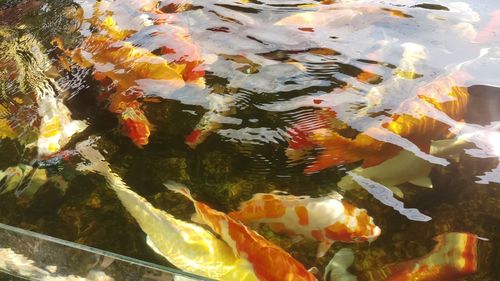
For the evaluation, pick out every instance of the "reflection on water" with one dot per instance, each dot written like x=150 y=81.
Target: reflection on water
x=392 y=104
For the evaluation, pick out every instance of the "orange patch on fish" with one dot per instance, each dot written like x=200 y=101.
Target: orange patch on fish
x=302 y=214
x=269 y=207
x=269 y=262
x=325 y=219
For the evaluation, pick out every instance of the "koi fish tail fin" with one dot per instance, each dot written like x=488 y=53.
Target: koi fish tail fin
x=336 y=150
x=179 y=188
x=336 y=270
x=459 y=250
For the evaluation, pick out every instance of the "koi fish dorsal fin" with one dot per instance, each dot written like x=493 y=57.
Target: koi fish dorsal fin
x=335 y=195
x=337 y=150
x=179 y=188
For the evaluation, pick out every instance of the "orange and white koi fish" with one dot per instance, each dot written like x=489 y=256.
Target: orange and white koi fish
x=443 y=97
x=454 y=256
x=269 y=261
x=186 y=245
x=325 y=219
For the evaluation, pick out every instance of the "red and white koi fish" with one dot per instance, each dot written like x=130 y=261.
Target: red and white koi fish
x=325 y=219
x=269 y=261
x=454 y=256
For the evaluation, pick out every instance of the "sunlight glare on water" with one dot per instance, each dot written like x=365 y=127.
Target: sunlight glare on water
x=358 y=138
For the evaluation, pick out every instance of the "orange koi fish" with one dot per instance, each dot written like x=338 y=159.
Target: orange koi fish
x=454 y=256
x=326 y=219
x=128 y=67
x=135 y=125
x=125 y=65
x=269 y=261
x=442 y=95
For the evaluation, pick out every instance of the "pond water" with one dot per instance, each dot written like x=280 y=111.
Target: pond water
x=107 y=107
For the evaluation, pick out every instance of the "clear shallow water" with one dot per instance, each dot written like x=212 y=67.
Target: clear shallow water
x=267 y=84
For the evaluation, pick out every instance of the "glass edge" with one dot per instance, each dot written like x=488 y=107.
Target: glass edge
x=116 y=256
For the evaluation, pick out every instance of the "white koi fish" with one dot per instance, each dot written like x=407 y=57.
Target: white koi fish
x=325 y=219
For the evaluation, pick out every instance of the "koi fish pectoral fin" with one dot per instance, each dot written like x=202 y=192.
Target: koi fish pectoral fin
x=196 y=218
x=337 y=267
x=323 y=247
x=422 y=181
x=297 y=239
x=397 y=191
x=179 y=188
x=313 y=270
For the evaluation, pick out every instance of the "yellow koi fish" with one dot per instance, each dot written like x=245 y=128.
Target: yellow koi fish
x=269 y=261
x=57 y=127
x=187 y=246
x=326 y=219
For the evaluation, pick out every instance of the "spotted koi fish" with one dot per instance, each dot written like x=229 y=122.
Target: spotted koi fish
x=269 y=261
x=453 y=257
x=326 y=219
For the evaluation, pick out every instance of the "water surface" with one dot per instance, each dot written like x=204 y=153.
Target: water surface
x=260 y=81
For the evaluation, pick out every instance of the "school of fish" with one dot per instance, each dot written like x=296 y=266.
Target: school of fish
x=228 y=246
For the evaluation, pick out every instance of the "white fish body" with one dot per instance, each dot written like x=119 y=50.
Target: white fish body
x=405 y=167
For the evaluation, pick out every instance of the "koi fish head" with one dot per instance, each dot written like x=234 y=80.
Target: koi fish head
x=357 y=226
x=136 y=126
x=194 y=138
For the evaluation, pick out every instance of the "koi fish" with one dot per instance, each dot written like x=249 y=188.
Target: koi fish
x=269 y=261
x=187 y=246
x=442 y=95
x=220 y=106
x=403 y=168
x=406 y=167
x=33 y=76
x=454 y=256
x=57 y=127
x=135 y=125
x=326 y=219
x=130 y=67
